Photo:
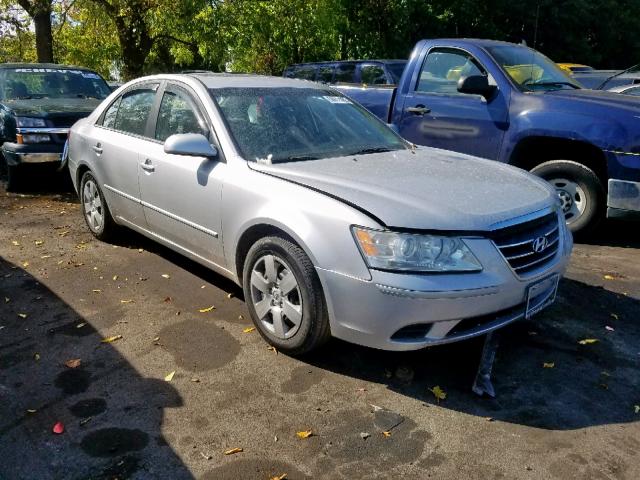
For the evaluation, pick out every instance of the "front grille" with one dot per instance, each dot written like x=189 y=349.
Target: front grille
x=516 y=243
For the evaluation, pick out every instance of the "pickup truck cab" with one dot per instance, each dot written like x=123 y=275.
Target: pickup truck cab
x=368 y=72
x=507 y=102
x=38 y=104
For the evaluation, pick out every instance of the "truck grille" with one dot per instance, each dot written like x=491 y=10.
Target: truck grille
x=531 y=245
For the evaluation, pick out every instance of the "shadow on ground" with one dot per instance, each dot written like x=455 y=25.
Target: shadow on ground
x=112 y=415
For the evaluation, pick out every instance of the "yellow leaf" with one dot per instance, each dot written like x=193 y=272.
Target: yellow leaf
x=166 y=275
x=111 y=339
x=438 y=393
x=45 y=256
x=25 y=264
x=232 y=451
x=96 y=290
x=16 y=243
x=588 y=341
x=248 y=330
x=115 y=277
x=39 y=242
x=609 y=277
x=548 y=365
x=169 y=376
x=279 y=477
x=386 y=434
x=229 y=295
x=305 y=434
x=272 y=349
x=22 y=315
x=73 y=363
x=36 y=356
x=126 y=301
x=63 y=233
x=205 y=310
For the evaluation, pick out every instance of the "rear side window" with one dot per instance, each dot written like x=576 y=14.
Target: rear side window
x=134 y=110
x=177 y=115
x=325 y=73
x=305 y=72
x=372 y=75
x=345 y=73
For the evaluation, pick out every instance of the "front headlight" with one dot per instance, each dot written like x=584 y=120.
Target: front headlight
x=30 y=122
x=408 y=252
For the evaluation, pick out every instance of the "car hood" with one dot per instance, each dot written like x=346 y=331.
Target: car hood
x=426 y=189
x=43 y=107
x=598 y=98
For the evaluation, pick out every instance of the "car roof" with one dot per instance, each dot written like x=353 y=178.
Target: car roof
x=43 y=65
x=243 y=80
x=333 y=62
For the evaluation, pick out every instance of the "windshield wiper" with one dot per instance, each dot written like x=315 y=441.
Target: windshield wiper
x=558 y=83
x=365 y=151
x=295 y=158
x=615 y=75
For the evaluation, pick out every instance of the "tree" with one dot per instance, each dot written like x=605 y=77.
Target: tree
x=40 y=12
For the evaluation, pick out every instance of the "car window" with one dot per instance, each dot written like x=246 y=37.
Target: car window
x=325 y=73
x=372 y=75
x=633 y=91
x=134 y=111
x=345 y=73
x=109 y=119
x=396 y=70
x=177 y=115
x=442 y=69
x=305 y=72
x=34 y=83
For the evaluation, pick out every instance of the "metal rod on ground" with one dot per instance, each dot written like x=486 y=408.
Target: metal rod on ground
x=482 y=384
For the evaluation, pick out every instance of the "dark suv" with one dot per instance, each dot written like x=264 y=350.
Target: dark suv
x=370 y=72
x=38 y=104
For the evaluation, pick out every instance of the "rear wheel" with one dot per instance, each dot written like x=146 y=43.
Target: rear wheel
x=581 y=193
x=284 y=296
x=94 y=208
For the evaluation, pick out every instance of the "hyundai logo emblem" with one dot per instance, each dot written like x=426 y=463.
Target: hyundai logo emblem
x=540 y=244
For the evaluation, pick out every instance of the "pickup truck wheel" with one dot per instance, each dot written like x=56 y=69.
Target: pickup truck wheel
x=15 y=178
x=94 y=208
x=581 y=193
x=284 y=296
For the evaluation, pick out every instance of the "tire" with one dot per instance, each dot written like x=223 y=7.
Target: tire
x=95 y=209
x=15 y=178
x=305 y=297
x=580 y=190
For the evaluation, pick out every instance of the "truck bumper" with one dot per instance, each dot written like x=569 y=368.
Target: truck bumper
x=623 y=199
x=17 y=154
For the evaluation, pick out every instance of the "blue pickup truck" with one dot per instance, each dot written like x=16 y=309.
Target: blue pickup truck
x=510 y=103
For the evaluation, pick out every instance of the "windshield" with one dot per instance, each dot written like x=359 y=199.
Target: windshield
x=295 y=124
x=396 y=70
x=531 y=70
x=29 y=83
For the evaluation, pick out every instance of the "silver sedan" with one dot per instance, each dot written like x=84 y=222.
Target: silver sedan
x=330 y=222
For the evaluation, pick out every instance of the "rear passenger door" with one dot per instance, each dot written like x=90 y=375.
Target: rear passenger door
x=120 y=134
x=181 y=194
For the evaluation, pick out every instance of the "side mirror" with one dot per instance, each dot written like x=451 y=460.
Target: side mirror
x=476 y=85
x=191 y=144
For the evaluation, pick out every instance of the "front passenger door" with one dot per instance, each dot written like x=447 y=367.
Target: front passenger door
x=181 y=194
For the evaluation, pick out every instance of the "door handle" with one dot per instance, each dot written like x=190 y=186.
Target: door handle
x=147 y=166
x=418 y=110
x=97 y=148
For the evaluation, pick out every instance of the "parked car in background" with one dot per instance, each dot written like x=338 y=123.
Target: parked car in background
x=507 y=102
x=608 y=79
x=574 y=67
x=330 y=221
x=114 y=85
x=633 y=89
x=369 y=72
x=38 y=104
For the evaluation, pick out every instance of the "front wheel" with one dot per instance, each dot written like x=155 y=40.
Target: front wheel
x=581 y=193
x=94 y=208
x=284 y=296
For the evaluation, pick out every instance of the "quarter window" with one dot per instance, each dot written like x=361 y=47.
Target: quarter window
x=177 y=115
x=442 y=69
x=345 y=73
x=133 y=112
x=372 y=75
x=325 y=74
x=109 y=120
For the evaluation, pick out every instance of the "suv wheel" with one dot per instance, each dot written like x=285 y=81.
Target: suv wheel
x=284 y=296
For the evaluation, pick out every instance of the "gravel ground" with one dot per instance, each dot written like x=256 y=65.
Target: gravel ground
x=62 y=293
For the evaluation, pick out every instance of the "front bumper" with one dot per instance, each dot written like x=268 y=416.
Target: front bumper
x=18 y=153
x=623 y=199
x=396 y=311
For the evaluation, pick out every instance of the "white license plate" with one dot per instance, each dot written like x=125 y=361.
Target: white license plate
x=541 y=294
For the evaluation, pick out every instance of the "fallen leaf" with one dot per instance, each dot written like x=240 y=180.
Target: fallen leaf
x=229 y=295
x=611 y=329
x=240 y=317
x=58 y=428
x=140 y=250
x=305 y=434
x=636 y=408
x=23 y=315
x=609 y=277
x=156 y=339
x=279 y=477
x=206 y=456
x=386 y=434
x=31 y=410
x=165 y=275
x=36 y=356
x=80 y=325
x=548 y=365
x=438 y=393
x=7 y=299
x=364 y=435
x=126 y=301
x=25 y=264
x=63 y=233
x=16 y=243
x=361 y=389
x=615 y=316
x=45 y=256
x=272 y=349
x=115 y=277
x=205 y=310
x=195 y=380
x=73 y=363
x=85 y=421
x=169 y=376
x=167 y=299
x=111 y=339
x=248 y=330
x=39 y=242
x=233 y=451
x=588 y=341
x=96 y=290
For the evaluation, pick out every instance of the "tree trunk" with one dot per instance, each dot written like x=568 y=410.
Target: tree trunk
x=44 y=38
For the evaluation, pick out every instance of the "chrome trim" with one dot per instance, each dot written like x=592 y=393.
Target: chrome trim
x=44 y=157
x=434 y=294
x=523 y=218
x=172 y=216
x=619 y=152
x=517 y=244
x=50 y=130
x=623 y=195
